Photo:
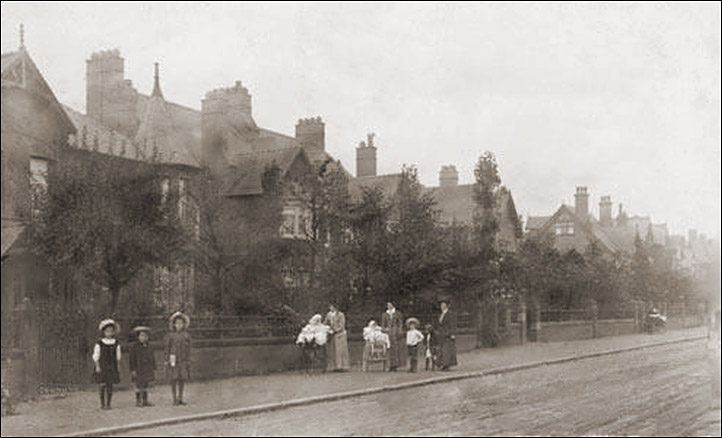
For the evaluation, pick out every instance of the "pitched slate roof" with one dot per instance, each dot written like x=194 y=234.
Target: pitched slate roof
x=158 y=130
x=7 y=60
x=34 y=82
x=11 y=230
x=388 y=184
x=186 y=122
x=455 y=203
x=246 y=174
x=94 y=136
x=536 y=222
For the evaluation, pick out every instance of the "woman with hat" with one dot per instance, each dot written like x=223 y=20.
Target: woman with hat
x=142 y=365
x=178 y=354
x=445 y=333
x=338 y=358
x=106 y=355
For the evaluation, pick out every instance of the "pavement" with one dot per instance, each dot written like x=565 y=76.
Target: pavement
x=79 y=414
x=660 y=391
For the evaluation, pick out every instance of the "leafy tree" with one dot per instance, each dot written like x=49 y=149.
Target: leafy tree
x=368 y=238
x=104 y=218
x=415 y=251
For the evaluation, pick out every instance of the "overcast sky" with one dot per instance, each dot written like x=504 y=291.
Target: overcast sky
x=622 y=98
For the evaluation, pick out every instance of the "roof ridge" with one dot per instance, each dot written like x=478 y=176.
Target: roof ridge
x=268 y=151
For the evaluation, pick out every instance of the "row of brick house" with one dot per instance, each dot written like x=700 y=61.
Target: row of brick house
x=576 y=228
x=222 y=142
x=223 y=139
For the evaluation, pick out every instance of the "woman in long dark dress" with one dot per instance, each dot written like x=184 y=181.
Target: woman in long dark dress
x=445 y=333
x=392 y=323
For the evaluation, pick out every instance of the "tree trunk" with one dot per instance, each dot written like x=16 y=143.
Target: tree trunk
x=114 y=295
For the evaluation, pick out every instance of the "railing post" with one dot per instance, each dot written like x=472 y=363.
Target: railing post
x=595 y=314
x=522 y=322
x=637 y=328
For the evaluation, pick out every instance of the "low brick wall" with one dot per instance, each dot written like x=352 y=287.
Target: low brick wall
x=615 y=327
x=564 y=331
x=233 y=357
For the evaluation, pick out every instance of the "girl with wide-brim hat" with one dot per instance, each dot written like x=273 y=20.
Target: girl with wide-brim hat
x=178 y=355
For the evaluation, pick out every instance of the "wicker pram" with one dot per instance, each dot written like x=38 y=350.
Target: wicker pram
x=375 y=351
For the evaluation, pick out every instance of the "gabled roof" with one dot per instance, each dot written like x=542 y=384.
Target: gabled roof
x=536 y=222
x=594 y=233
x=388 y=184
x=8 y=59
x=246 y=174
x=11 y=230
x=32 y=80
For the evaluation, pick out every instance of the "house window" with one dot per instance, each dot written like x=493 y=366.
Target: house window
x=182 y=199
x=296 y=223
x=288 y=225
x=164 y=189
x=38 y=183
x=162 y=286
x=564 y=229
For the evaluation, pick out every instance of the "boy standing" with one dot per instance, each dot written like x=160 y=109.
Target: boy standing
x=142 y=365
x=414 y=339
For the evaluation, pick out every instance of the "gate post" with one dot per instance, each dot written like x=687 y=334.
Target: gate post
x=522 y=322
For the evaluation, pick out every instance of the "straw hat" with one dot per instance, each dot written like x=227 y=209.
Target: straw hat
x=176 y=315
x=106 y=322
x=141 y=328
x=414 y=321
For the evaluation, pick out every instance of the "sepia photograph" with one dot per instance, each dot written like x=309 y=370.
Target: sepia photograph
x=361 y=218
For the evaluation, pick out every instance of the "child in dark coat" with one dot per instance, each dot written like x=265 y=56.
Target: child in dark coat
x=142 y=365
x=106 y=355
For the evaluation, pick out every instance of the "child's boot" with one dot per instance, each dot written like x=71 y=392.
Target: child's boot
x=145 y=400
x=138 y=401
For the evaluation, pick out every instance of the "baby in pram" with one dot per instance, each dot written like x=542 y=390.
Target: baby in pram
x=376 y=345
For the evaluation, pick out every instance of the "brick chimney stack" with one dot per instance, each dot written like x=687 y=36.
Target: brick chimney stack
x=448 y=176
x=366 y=157
x=581 y=203
x=605 y=210
x=311 y=134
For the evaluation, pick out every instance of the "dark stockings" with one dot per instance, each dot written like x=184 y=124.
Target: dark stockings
x=106 y=394
x=177 y=386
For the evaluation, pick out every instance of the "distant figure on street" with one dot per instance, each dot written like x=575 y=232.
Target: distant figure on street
x=337 y=357
x=106 y=355
x=414 y=340
x=445 y=333
x=142 y=365
x=178 y=355
x=392 y=323
x=655 y=320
